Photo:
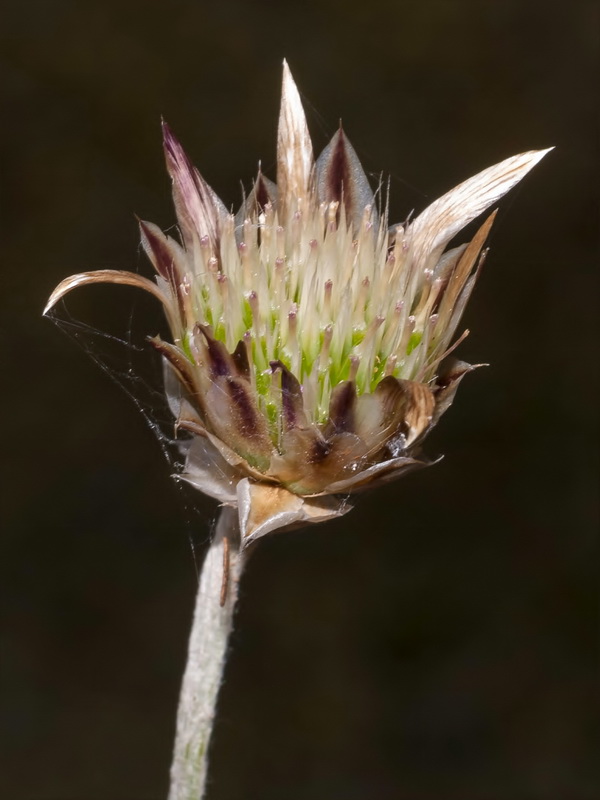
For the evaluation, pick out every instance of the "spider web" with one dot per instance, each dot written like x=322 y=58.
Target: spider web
x=133 y=365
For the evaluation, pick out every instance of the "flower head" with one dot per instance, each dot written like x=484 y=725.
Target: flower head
x=307 y=335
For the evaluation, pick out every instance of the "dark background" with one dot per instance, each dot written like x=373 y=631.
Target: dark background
x=439 y=641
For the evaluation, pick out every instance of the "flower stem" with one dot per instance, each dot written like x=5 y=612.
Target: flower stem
x=213 y=618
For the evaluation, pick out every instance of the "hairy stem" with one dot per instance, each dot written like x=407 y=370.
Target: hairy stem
x=213 y=617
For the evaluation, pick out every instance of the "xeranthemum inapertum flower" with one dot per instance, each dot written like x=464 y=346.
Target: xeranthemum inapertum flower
x=308 y=336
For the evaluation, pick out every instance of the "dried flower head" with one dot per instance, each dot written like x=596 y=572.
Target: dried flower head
x=307 y=335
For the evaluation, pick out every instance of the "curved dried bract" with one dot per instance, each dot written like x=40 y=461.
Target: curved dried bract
x=106 y=276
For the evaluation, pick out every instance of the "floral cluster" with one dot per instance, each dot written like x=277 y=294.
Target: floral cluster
x=309 y=338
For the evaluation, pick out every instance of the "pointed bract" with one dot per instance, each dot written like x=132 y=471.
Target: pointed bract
x=199 y=210
x=340 y=178
x=294 y=149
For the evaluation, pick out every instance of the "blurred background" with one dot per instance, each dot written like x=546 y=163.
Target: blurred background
x=438 y=643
